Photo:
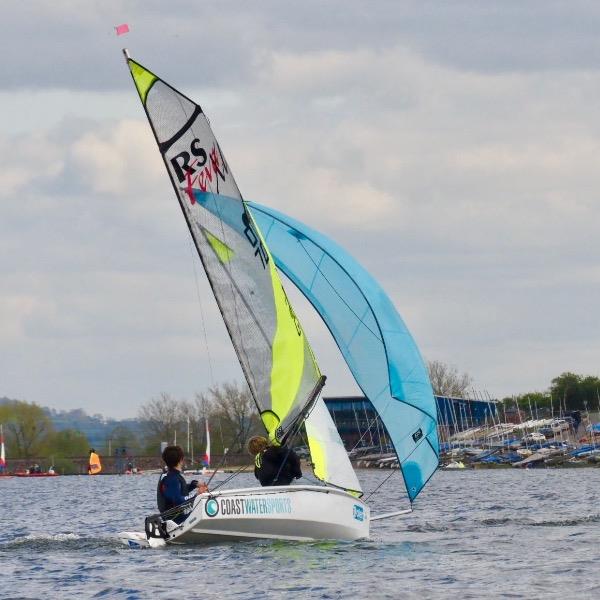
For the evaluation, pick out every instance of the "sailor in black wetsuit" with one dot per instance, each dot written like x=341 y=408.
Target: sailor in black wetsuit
x=173 y=489
x=273 y=465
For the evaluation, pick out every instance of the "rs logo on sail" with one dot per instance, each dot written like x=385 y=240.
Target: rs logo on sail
x=196 y=168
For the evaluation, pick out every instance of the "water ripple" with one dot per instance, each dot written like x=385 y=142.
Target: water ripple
x=492 y=534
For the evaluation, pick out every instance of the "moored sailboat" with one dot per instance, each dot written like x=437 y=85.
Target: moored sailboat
x=3 y=471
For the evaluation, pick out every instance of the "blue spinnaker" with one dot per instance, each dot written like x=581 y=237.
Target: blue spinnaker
x=371 y=335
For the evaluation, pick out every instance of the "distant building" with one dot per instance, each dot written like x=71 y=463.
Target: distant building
x=360 y=426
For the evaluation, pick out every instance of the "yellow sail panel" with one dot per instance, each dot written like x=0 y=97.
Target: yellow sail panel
x=319 y=458
x=271 y=422
x=222 y=250
x=94 y=466
x=288 y=354
x=143 y=79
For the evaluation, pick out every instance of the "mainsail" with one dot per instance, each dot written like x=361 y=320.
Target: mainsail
x=94 y=465
x=372 y=337
x=273 y=351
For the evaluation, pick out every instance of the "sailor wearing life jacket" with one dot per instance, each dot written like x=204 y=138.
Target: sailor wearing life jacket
x=273 y=465
x=173 y=489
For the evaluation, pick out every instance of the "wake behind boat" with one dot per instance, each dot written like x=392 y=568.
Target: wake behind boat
x=277 y=361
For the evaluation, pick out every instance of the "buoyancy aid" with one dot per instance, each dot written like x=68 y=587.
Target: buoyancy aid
x=172 y=490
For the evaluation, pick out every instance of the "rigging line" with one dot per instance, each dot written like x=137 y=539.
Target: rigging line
x=334 y=290
x=224 y=458
x=294 y=432
x=210 y=368
x=390 y=475
x=370 y=423
x=233 y=288
x=241 y=349
x=241 y=469
x=191 y=129
x=393 y=445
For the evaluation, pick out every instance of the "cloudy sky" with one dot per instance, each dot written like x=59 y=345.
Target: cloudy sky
x=453 y=147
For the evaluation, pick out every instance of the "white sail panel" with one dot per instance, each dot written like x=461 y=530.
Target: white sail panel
x=329 y=457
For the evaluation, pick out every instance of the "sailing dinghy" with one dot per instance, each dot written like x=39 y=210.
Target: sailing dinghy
x=275 y=356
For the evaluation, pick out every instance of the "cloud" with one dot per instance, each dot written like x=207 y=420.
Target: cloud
x=442 y=148
x=65 y=46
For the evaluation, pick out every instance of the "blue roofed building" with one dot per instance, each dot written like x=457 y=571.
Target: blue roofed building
x=359 y=426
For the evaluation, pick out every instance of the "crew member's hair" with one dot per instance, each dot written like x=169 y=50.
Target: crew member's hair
x=257 y=444
x=172 y=455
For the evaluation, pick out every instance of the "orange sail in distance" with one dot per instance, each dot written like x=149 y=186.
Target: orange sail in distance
x=94 y=466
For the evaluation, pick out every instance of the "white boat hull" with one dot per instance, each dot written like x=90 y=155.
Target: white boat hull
x=299 y=513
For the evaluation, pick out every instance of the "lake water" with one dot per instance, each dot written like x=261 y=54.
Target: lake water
x=474 y=534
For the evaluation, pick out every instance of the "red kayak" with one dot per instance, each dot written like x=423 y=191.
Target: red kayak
x=36 y=474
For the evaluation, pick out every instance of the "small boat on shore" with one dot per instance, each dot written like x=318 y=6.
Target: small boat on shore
x=454 y=465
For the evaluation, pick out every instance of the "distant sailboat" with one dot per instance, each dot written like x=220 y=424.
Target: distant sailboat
x=2 y=453
x=94 y=465
x=206 y=457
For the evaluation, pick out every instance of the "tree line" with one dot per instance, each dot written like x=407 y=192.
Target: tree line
x=567 y=392
x=233 y=419
x=228 y=407
x=29 y=433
